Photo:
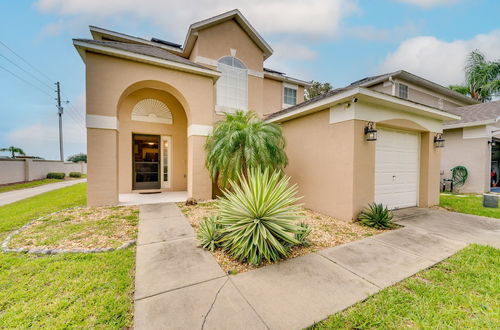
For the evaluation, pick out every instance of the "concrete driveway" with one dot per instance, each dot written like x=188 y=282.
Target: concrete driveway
x=180 y=286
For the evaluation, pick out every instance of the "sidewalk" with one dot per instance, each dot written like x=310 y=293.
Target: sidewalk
x=180 y=286
x=16 y=195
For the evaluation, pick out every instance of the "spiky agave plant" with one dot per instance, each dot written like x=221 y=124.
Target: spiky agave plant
x=209 y=233
x=259 y=216
x=303 y=234
x=376 y=216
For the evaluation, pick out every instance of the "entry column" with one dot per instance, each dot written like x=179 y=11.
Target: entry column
x=199 y=183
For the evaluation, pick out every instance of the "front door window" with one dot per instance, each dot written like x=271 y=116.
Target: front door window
x=166 y=143
x=146 y=164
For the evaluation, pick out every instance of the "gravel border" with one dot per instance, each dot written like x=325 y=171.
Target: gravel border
x=6 y=249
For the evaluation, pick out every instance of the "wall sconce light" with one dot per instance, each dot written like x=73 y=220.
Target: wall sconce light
x=492 y=143
x=370 y=132
x=438 y=141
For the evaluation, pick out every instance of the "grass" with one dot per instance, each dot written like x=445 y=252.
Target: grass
x=469 y=204
x=25 y=185
x=65 y=290
x=461 y=292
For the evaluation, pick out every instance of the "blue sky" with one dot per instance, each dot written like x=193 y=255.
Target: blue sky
x=338 y=41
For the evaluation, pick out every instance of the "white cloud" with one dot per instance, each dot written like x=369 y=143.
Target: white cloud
x=42 y=138
x=372 y=33
x=438 y=60
x=316 y=18
x=429 y=3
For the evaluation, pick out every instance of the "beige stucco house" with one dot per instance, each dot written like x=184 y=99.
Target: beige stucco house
x=151 y=104
x=473 y=142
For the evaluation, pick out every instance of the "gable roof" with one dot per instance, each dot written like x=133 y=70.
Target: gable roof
x=474 y=115
x=410 y=77
x=227 y=16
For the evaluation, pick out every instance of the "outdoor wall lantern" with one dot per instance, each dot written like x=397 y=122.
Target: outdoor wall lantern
x=438 y=141
x=492 y=143
x=370 y=132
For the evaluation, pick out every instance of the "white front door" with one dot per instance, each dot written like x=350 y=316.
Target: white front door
x=397 y=159
x=166 y=161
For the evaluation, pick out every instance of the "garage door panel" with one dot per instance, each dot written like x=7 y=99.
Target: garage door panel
x=396 y=168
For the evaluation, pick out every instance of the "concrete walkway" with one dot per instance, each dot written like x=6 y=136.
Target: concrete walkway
x=180 y=286
x=16 y=195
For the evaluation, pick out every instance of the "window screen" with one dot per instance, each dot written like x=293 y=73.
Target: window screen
x=232 y=86
x=290 y=96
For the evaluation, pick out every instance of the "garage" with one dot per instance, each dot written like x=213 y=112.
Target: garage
x=397 y=168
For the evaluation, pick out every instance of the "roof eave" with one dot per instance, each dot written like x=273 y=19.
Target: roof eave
x=370 y=94
x=276 y=76
x=472 y=123
x=83 y=46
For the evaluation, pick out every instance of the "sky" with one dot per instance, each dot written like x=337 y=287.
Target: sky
x=336 y=41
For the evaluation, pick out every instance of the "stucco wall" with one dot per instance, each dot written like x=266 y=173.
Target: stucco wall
x=473 y=153
x=273 y=96
x=177 y=131
x=19 y=170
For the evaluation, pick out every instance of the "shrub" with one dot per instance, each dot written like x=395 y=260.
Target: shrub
x=303 y=234
x=56 y=175
x=75 y=174
x=376 y=216
x=259 y=217
x=209 y=233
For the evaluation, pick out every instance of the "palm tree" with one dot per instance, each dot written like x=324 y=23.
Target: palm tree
x=482 y=77
x=242 y=141
x=14 y=151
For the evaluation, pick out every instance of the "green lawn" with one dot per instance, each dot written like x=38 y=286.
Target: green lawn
x=66 y=290
x=470 y=204
x=25 y=185
x=462 y=292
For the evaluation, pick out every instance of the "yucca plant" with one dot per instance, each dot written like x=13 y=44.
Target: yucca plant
x=259 y=216
x=376 y=216
x=303 y=234
x=209 y=233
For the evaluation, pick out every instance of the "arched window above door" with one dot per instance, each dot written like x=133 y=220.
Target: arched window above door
x=232 y=86
x=153 y=111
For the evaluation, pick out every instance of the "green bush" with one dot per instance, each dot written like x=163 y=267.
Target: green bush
x=303 y=234
x=209 y=233
x=376 y=216
x=56 y=175
x=259 y=217
x=75 y=174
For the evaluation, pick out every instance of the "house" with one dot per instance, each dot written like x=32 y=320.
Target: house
x=340 y=167
x=472 y=142
x=151 y=104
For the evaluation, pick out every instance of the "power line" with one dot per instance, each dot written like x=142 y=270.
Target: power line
x=25 y=61
x=14 y=63
x=27 y=82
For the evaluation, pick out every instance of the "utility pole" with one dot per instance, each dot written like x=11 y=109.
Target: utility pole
x=60 y=113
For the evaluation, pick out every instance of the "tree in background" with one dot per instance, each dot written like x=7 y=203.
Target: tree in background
x=242 y=141
x=317 y=89
x=81 y=157
x=482 y=77
x=14 y=151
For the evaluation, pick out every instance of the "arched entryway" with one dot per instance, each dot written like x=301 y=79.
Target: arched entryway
x=152 y=139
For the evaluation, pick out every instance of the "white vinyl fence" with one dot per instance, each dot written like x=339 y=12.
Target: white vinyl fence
x=19 y=170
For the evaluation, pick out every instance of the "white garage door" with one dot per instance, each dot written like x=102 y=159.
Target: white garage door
x=397 y=168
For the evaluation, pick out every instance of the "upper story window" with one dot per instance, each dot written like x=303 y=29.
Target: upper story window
x=232 y=86
x=403 y=91
x=289 y=95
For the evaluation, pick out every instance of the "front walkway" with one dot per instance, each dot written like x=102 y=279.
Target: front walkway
x=152 y=198
x=16 y=195
x=181 y=286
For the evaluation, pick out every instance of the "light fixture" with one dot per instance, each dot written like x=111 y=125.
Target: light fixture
x=438 y=140
x=493 y=143
x=151 y=143
x=370 y=132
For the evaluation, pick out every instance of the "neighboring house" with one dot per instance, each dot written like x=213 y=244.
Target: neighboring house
x=471 y=142
x=339 y=172
x=151 y=103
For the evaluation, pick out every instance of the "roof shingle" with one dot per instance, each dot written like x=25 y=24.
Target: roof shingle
x=475 y=113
